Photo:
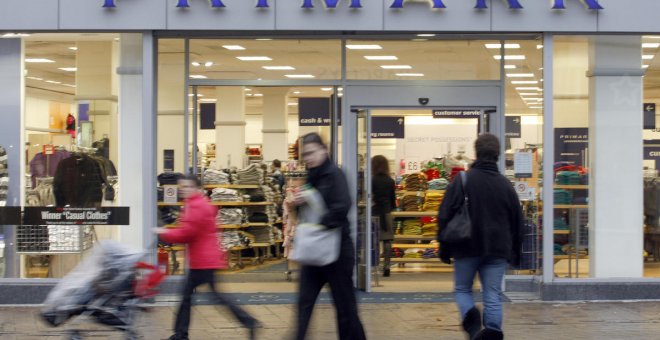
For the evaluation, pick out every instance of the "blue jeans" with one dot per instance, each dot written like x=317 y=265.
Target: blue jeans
x=491 y=273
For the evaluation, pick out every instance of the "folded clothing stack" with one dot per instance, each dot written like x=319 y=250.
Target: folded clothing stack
x=258 y=217
x=253 y=174
x=212 y=176
x=558 y=249
x=412 y=227
x=563 y=196
x=430 y=253
x=438 y=184
x=277 y=234
x=411 y=202
x=225 y=195
x=429 y=229
x=560 y=224
x=169 y=178
x=568 y=178
x=231 y=239
x=230 y=216
x=413 y=253
x=432 y=201
x=261 y=234
x=4 y=177
x=415 y=182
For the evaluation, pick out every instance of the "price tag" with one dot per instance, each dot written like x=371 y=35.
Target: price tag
x=412 y=165
x=49 y=149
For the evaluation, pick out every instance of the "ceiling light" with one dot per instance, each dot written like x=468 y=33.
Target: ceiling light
x=510 y=57
x=69 y=85
x=278 y=68
x=197 y=76
x=247 y=89
x=527 y=88
x=381 y=57
x=34 y=78
x=648 y=56
x=38 y=60
x=68 y=69
x=364 y=47
x=73 y=48
x=258 y=58
x=299 y=76
x=509 y=67
x=426 y=35
x=192 y=95
x=327 y=89
x=410 y=74
x=650 y=45
x=196 y=64
x=258 y=94
x=263 y=39
x=53 y=82
x=522 y=82
x=297 y=92
x=396 y=67
x=15 y=35
x=340 y=95
x=248 y=94
x=509 y=46
x=643 y=66
x=208 y=64
x=529 y=94
x=520 y=75
x=341 y=89
x=293 y=104
x=234 y=47
x=537 y=99
x=538 y=47
x=536 y=107
x=208 y=100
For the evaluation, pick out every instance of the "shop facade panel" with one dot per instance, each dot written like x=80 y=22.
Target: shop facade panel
x=127 y=15
x=28 y=15
x=238 y=15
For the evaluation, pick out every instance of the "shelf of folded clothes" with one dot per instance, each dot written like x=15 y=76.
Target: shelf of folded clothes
x=412 y=260
x=414 y=237
x=241 y=204
x=571 y=187
x=414 y=246
x=231 y=186
x=414 y=213
x=571 y=206
x=257 y=224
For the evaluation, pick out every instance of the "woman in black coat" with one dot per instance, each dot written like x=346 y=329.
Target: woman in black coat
x=497 y=221
x=384 y=201
x=331 y=183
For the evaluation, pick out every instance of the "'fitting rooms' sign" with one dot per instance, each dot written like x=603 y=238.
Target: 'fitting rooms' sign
x=330 y=4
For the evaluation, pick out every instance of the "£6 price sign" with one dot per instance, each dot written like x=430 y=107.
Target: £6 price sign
x=412 y=165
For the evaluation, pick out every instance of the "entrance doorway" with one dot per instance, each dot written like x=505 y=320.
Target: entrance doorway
x=425 y=147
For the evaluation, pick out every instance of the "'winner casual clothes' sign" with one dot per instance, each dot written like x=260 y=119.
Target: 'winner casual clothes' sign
x=76 y=216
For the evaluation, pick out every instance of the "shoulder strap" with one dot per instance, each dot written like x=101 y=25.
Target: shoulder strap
x=464 y=183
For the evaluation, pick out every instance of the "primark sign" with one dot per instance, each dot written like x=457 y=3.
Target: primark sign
x=309 y=4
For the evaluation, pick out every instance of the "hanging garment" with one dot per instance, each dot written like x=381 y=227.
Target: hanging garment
x=78 y=182
x=46 y=165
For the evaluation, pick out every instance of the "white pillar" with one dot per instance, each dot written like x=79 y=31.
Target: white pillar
x=230 y=126
x=615 y=152
x=135 y=155
x=275 y=123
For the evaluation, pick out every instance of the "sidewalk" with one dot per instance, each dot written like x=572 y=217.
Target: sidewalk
x=634 y=320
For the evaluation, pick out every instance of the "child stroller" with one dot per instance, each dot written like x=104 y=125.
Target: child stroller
x=108 y=287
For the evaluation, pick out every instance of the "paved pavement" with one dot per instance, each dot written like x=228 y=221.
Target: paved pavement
x=631 y=320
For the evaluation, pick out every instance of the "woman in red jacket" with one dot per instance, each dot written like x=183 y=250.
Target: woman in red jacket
x=198 y=229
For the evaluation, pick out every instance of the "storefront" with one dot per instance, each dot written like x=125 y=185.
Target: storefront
x=141 y=89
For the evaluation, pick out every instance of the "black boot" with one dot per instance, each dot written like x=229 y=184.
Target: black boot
x=472 y=322
x=489 y=334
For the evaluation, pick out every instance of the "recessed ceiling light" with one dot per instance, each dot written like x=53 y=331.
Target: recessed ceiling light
x=73 y=48
x=34 y=78
x=326 y=89
x=650 y=45
x=340 y=95
x=197 y=76
x=538 y=99
x=15 y=35
x=234 y=47
x=68 y=69
x=426 y=35
x=299 y=76
x=510 y=67
x=248 y=94
x=643 y=66
x=258 y=94
x=364 y=47
x=341 y=89
x=53 y=82
x=263 y=39
x=208 y=100
x=520 y=75
x=297 y=92
x=536 y=107
x=293 y=104
x=529 y=94
x=527 y=88
x=396 y=67
x=522 y=82
x=648 y=56
x=247 y=89
x=507 y=46
x=69 y=85
x=196 y=64
x=38 y=60
x=410 y=74
x=510 y=57
x=257 y=58
x=278 y=68
x=208 y=64
x=198 y=95
x=538 y=47
x=381 y=57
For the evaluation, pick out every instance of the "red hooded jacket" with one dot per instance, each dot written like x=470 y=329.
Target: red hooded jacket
x=198 y=229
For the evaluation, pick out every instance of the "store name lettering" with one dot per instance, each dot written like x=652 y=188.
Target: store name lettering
x=72 y=216
x=308 y=4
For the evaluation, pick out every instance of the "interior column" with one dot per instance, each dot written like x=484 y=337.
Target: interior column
x=230 y=126
x=615 y=153
x=275 y=123
x=171 y=106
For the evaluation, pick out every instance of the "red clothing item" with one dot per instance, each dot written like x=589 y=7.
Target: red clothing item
x=198 y=229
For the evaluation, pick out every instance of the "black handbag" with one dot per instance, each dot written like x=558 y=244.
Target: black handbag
x=459 y=228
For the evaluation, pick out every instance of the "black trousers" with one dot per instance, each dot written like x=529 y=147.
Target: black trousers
x=197 y=277
x=339 y=276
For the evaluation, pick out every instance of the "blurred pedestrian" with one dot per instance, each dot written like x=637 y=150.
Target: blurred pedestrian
x=276 y=173
x=384 y=199
x=330 y=182
x=197 y=228
x=496 y=220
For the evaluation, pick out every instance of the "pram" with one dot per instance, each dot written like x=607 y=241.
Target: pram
x=109 y=287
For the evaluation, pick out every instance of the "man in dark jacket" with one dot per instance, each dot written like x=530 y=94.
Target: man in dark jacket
x=331 y=183
x=497 y=223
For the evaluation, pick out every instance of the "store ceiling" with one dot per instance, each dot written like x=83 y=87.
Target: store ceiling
x=435 y=59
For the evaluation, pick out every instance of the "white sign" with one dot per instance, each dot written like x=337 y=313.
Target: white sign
x=170 y=193
x=412 y=165
x=525 y=193
x=523 y=164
